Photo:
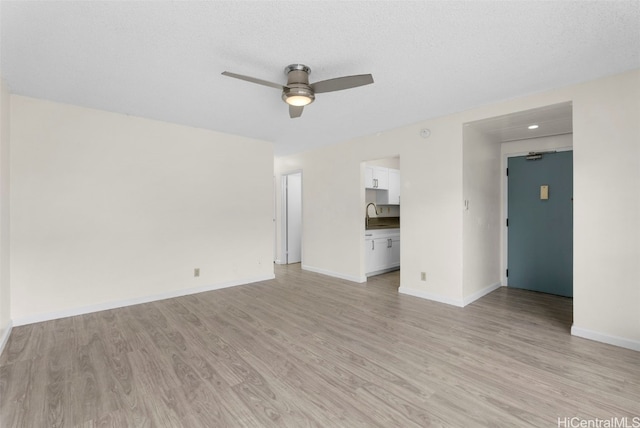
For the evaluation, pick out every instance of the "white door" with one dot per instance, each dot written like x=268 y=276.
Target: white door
x=294 y=218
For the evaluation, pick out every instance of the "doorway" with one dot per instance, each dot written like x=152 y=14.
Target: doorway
x=540 y=222
x=292 y=218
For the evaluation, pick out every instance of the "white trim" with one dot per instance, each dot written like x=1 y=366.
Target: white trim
x=5 y=336
x=136 y=301
x=358 y=279
x=605 y=338
x=431 y=296
x=279 y=262
x=378 y=272
x=480 y=293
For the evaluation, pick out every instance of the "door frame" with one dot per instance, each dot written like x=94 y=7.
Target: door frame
x=284 y=221
x=505 y=206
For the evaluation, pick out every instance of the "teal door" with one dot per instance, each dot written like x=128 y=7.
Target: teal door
x=540 y=243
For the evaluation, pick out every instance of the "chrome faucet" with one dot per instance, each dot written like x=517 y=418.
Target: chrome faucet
x=367 y=211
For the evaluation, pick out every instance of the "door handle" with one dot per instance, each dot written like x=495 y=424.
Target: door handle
x=373 y=244
x=389 y=243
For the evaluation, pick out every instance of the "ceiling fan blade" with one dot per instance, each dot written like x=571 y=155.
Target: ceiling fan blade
x=295 y=111
x=340 y=83
x=253 y=80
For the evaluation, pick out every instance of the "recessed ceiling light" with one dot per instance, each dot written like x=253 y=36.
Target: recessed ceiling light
x=533 y=126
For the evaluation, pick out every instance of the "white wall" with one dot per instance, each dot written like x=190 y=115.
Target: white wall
x=606 y=204
x=326 y=204
x=393 y=162
x=481 y=219
x=431 y=179
x=5 y=296
x=107 y=208
x=606 y=158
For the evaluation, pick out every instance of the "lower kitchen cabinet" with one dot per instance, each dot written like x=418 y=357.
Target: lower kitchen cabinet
x=394 y=252
x=382 y=251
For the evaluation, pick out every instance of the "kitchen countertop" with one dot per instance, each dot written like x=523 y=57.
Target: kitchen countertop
x=376 y=223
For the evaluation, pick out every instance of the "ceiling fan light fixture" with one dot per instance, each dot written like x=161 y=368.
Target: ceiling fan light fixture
x=297 y=100
x=298 y=97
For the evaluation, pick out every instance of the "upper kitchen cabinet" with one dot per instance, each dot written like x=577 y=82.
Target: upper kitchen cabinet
x=376 y=177
x=392 y=195
x=394 y=187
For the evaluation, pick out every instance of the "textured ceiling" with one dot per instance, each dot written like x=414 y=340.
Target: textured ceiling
x=555 y=119
x=162 y=60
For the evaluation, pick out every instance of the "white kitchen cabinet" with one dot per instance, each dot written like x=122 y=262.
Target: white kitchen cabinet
x=376 y=177
x=392 y=195
x=368 y=177
x=394 y=252
x=394 y=187
x=377 y=252
x=382 y=251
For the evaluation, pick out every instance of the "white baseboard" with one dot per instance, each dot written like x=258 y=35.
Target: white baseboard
x=480 y=293
x=431 y=296
x=136 y=301
x=278 y=262
x=605 y=338
x=358 y=279
x=5 y=336
x=378 y=272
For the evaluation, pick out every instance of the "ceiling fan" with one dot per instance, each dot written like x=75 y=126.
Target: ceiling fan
x=298 y=92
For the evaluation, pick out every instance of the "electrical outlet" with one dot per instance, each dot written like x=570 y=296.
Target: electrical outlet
x=423 y=276
x=196 y=272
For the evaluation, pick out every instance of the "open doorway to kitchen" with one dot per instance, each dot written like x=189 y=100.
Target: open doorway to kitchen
x=382 y=186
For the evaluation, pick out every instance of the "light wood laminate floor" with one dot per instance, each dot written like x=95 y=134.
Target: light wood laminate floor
x=310 y=350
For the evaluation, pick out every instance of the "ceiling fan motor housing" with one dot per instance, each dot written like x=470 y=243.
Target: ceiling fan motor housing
x=298 y=91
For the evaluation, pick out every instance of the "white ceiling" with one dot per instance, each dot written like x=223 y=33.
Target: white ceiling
x=162 y=60
x=551 y=120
